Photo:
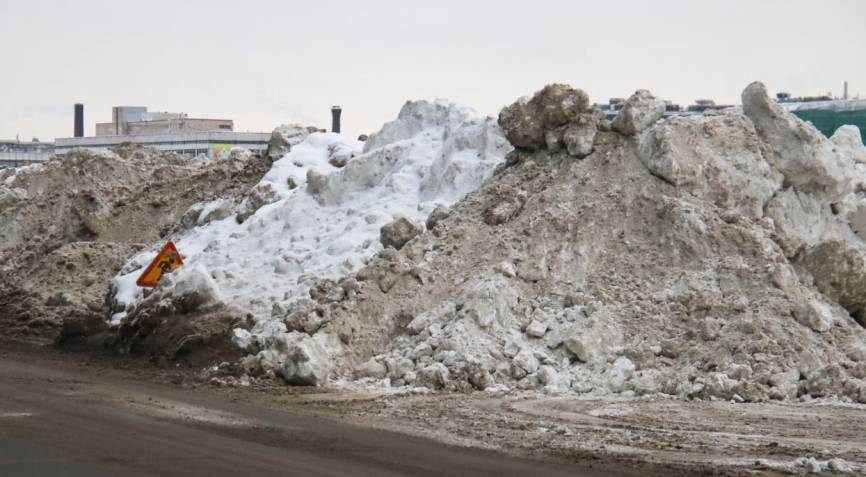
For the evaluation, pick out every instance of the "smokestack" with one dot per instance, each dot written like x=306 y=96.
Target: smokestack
x=79 y=120
x=335 y=118
x=845 y=93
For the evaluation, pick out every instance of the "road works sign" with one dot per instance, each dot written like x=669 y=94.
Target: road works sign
x=166 y=261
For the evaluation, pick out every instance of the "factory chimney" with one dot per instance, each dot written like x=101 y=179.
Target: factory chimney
x=79 y=120
x=845 y=91
x=335 y=118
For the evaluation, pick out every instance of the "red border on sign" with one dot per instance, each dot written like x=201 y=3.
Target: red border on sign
x=169 y=247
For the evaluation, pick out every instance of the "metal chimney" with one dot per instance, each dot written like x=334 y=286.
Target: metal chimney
x=335 y=118
x=79 y=120
x=845 y=93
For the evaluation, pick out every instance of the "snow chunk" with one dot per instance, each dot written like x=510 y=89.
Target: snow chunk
x=536 y=329
x=306 y=362
x=397 y=233
x=801 y=152
x=849 y=143
x=640 y=111
x=715 y=157
x=195 y=287
x=619 y=373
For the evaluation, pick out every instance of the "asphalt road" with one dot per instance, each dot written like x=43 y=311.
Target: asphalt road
x=89 y=421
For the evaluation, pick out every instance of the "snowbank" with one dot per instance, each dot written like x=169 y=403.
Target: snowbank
x=319 y=210
x=708 y=257
x=61 y=240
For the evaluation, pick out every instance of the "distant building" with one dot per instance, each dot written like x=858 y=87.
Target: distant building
x=210 y=143
x=14 y=153
x=136 y=120
x=175 y=132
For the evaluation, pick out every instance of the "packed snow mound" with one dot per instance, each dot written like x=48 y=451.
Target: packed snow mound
x=707 y=257
x=67 y=226
x=318 y=212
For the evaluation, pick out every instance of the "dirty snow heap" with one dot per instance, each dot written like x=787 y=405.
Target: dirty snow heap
x=68 y=225
x=317 y=214
x=717 y=256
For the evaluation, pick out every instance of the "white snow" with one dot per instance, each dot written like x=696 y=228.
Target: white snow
x=324 y=221
x=17 y=170
x=811 y=465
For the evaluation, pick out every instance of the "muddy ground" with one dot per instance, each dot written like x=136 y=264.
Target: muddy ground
x=615 y=437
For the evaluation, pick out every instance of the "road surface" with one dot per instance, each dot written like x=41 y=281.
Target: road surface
x=67 y=420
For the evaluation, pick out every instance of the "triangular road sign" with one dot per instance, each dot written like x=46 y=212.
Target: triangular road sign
x=166 y=261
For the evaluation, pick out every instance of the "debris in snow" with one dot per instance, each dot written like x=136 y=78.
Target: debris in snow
x=306 y=362
x=438 y=214
x=395 y=234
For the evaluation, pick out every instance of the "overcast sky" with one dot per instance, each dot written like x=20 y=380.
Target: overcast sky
x=263 y=63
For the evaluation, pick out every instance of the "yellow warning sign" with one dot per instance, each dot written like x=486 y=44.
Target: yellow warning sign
x=166 y=261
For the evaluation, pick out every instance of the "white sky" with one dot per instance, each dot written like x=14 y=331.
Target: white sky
x=263 y=63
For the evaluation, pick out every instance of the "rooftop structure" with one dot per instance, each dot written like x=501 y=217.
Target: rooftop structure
x=615 y=105
x=137 y=120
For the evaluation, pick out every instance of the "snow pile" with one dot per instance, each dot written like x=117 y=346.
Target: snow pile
x=318 y=212
x=67 y=225
x=706 y=257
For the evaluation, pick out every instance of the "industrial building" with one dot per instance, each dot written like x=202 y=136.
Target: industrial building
x=15 y=153
x=136 y=120
x=175 y=132
x=210 y=143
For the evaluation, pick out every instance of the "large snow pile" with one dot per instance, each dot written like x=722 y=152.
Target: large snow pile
x=716 y=256
x=66 y=227
x=317 y=214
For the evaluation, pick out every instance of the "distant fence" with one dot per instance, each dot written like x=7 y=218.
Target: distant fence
x=827 y=121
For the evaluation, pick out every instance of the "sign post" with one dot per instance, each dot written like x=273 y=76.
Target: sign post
x=166 y=261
